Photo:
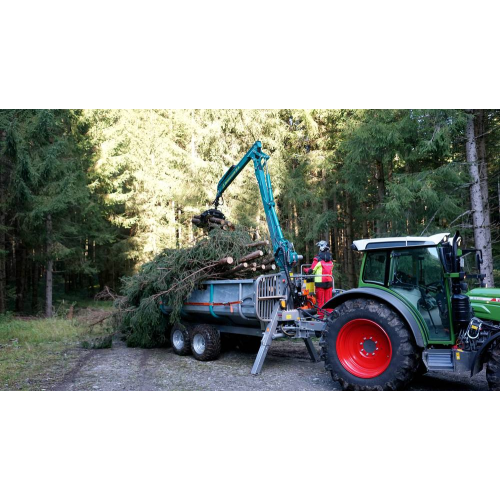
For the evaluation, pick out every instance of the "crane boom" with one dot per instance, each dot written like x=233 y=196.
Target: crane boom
x=284 y=252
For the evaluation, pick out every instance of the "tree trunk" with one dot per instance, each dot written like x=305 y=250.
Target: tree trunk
x=326 y=235
x=295 y=221
x=35 y=272
x=335 y=245
x=480 y=218
x=479 y=130
x=379 y=176
x=20 y=275
x=351 y=278
x=48 y=271
x=3 y=250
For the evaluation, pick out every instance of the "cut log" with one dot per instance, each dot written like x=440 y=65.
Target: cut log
x=224 y=227
x=262 y=243
x=267 y=261
x=239 y=267
x=252 y=256
x=221 y=222
x=226 y=261
x=215 y=220
x=269 y=267
x=196 y=221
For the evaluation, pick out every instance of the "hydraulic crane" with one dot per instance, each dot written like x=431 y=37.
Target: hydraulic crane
x=284 y=253
x=275 y=299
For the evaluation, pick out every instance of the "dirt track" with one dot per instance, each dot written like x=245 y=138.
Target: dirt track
x=287 y=368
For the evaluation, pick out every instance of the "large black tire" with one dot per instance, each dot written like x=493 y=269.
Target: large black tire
x=180 y=339
x=353 y=358
x=205 y=343
x=493 y=369
x=249 y=343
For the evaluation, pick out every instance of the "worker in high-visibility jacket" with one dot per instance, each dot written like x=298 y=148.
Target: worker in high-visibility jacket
x=323 y=280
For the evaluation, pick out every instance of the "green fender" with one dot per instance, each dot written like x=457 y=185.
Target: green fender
x=385 y=297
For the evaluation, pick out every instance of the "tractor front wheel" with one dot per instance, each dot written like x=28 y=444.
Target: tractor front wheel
x=366 y=346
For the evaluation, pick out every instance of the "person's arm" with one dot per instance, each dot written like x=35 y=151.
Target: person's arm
x=313 y=265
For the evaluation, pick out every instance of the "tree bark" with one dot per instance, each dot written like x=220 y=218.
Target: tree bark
x=35 y=272
x=379 y=176
x=351 y=278
x=326 y=235
x=3 y=250
x=479 y=130
x=20 y=275
x=48 y=271
x=335 y=246
x=480 y=217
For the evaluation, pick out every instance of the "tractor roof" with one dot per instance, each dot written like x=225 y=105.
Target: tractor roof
x=400 y=242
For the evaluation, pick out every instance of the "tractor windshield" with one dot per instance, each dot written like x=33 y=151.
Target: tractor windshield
x=417 y=275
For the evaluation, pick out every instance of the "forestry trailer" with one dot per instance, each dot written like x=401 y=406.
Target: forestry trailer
x=410 y=313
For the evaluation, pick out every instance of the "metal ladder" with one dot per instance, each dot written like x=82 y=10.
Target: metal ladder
x=268 y=337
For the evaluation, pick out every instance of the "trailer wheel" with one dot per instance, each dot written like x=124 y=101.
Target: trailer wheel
x=366 y=346
x=493 y=370
x=205 y=343
x=179 y=337
x=249 y=344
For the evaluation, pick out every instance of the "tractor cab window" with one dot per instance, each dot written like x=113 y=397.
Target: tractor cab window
x=417 y=275
x=374 y=270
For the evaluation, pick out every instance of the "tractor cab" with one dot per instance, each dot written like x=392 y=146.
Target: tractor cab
x=412 y=269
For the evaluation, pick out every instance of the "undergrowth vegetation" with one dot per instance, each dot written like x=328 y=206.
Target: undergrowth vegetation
x=36 y=353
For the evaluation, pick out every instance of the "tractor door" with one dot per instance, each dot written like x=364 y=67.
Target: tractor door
x=417 y=275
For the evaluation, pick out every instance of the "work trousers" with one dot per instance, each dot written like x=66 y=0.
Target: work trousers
x=323 y=295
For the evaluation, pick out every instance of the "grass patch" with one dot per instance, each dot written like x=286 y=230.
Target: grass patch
x=35 y=353
x=37 y=331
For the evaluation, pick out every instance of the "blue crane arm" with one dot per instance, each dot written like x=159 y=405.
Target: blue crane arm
x=284 y=252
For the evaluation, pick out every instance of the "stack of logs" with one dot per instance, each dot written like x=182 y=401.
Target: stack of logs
x=256 y=262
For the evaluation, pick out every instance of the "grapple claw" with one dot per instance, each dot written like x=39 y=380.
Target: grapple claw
x=212 y=218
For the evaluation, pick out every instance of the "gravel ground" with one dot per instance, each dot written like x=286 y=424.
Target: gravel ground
x=287 y=368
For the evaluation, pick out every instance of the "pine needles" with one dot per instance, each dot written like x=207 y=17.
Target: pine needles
x=170 y=278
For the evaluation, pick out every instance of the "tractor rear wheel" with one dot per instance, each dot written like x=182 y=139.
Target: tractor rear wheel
x=366 y=346
x=205 y=343
x=179 y=337
x=493 y=369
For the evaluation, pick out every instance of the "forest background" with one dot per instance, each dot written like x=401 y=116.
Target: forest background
x=86 y=196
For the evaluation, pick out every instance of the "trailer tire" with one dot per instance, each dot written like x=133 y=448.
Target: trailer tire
x=249 y=344
x=367 y=346
x=493 y=369
x=180 y=339
x=205 y=343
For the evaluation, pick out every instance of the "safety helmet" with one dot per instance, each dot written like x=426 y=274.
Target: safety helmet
x=323 y=245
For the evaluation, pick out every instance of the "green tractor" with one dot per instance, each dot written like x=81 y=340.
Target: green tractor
x=412 y=313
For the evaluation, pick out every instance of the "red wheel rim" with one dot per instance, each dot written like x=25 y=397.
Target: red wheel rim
x=364 y=348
